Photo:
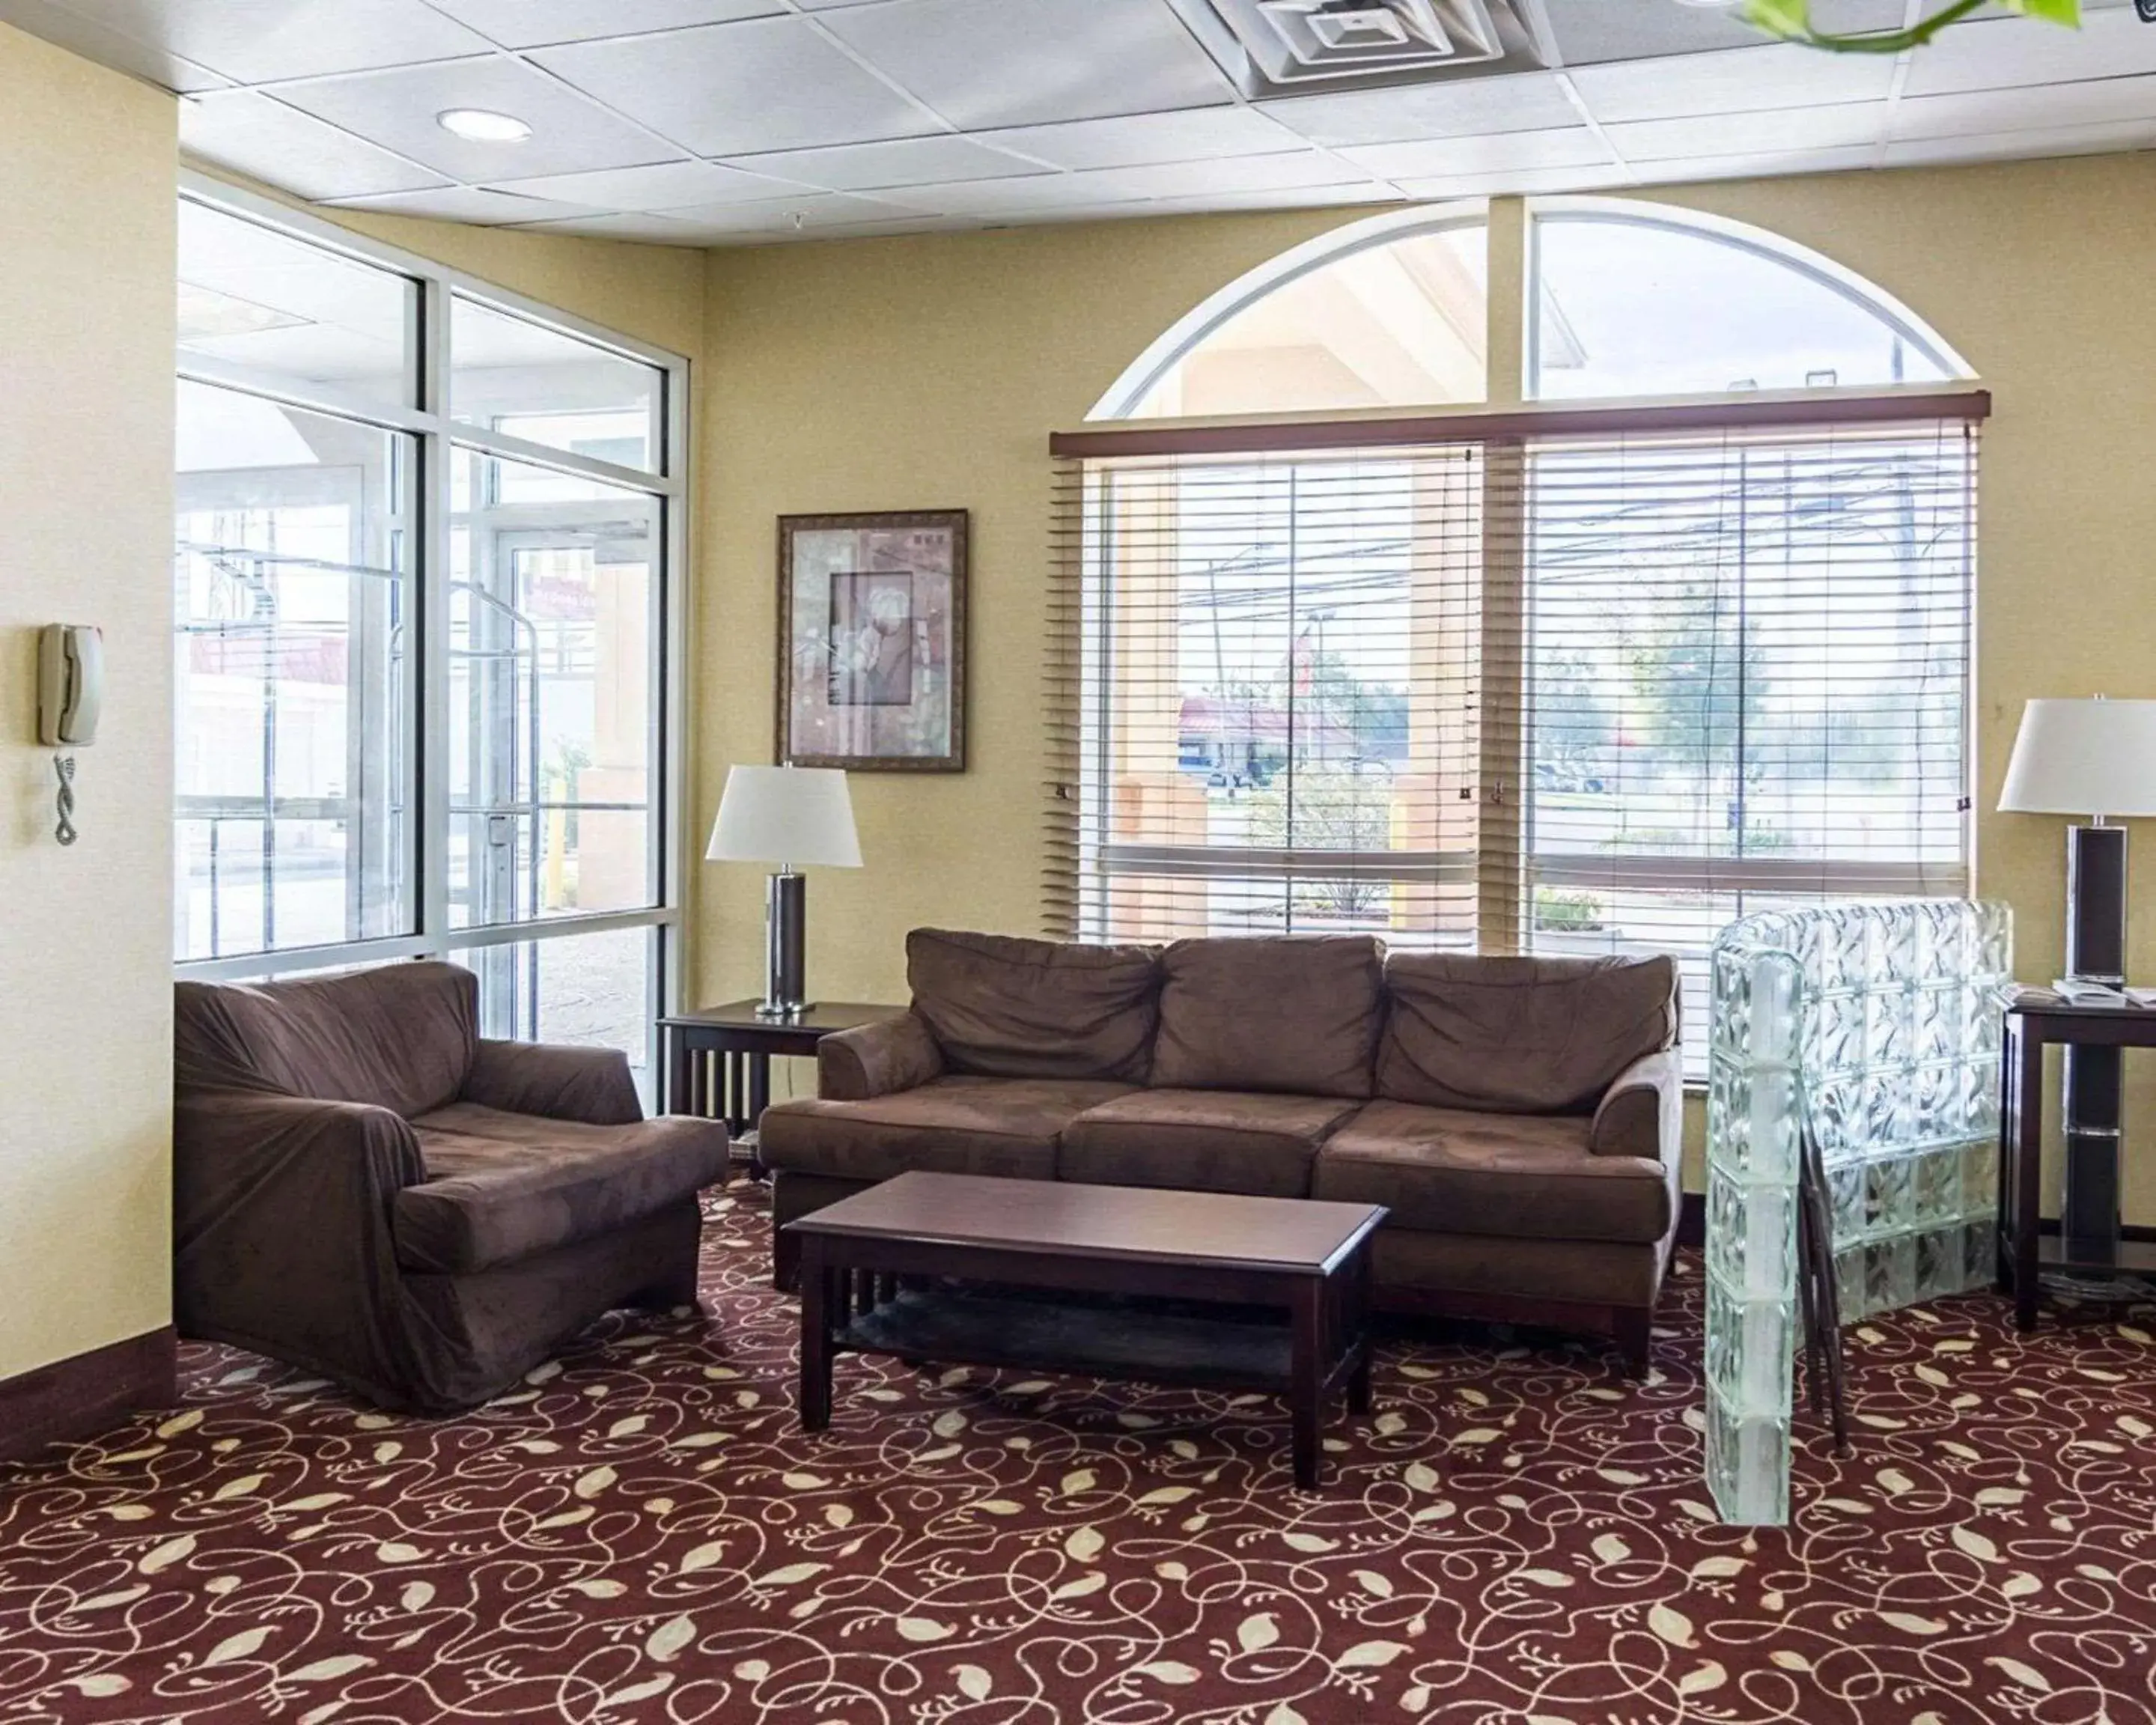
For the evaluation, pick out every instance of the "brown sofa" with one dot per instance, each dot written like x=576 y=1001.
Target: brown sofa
x=1520 y=1117
x=365 y=1187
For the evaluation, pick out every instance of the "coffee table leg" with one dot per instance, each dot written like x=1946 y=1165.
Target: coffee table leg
x=1305 y=1396
x=816 y=1283
x=1357 y=1335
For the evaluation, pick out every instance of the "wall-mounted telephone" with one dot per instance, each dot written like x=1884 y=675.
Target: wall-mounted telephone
x=70 y=684
x=70 y=691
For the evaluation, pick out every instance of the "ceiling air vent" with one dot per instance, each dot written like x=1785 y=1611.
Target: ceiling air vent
x=1281 y=47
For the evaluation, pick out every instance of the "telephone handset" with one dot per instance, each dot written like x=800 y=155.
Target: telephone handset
x=70 y=684
x=70 y=691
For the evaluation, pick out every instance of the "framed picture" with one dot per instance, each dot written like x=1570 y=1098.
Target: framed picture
x=872 y=641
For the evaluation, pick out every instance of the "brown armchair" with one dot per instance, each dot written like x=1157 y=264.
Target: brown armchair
x=365 y=1187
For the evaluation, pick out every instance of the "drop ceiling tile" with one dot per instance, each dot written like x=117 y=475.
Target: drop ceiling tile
x=727 y=89
x=1524 y=181
x=1464 y=107
x=253 y=42
x=808 y=212
x=996 y=63
x=1307 y=198
x=1291 y=171
x=661 y=185
x=397 y=110
x=642 y=229
x=1592 y=31
x=255 y=134
x=1838 y=126
x=1574 y=146
x=1138 y=140
x=2008 y=52
x=63 y=29
x=855 y=230
x=467 y=203
x=540 y=24
x=902 y=162
x=2094 y=139
x=1733 y=81
x=1756 y=165
x=1977 y=113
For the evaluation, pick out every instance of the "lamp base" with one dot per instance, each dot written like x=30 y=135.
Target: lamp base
x=785 y=946
x=2094 y=1077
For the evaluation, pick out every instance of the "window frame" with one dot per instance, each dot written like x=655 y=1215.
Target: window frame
x=1514 y=422
x=440 y=439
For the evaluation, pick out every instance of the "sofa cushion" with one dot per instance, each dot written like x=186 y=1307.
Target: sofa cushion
x=1293 y=1013
x=1520 y=1035
x=501 y=1187
x=1531 y=1177
x=1201 y=1141
x=1007 y=1008
x=963 y=1125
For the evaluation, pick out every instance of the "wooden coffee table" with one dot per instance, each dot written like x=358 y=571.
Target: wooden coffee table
x=1007 y=1239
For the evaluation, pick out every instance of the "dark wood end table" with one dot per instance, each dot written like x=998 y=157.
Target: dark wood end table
x=864 y=1261
x=718 y=1060
x=2036 y=1019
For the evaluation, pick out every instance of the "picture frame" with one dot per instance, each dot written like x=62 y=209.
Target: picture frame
x=872 y=640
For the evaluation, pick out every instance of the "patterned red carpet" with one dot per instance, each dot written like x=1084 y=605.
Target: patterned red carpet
x=641 y=1534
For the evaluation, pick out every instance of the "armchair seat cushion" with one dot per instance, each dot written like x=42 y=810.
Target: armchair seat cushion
x=503 y=1187
x=1525 y=1176
x=963 y=1124
x=1202 y=1140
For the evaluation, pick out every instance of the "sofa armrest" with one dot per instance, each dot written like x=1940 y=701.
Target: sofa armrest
x=284 y=1179
x=874 y=1059
x=1642 y=1113
x=555 y=1082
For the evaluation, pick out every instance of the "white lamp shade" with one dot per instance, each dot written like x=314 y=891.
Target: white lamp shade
x=799 y=816
x=2084 y=758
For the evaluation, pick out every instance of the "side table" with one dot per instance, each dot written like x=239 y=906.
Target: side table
x=2034 y=1019
x=718 y=1060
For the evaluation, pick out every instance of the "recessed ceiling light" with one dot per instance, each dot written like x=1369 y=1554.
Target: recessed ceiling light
x=483 y=125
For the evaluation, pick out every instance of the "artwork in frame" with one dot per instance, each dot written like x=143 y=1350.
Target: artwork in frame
x=872 y=641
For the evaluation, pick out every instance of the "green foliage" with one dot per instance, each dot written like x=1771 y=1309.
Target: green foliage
x=1567 y=912
x=1791 y=21
x=1327 y=808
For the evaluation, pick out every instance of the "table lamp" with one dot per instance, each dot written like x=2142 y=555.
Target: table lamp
x=796 y=817
x=2095 y=758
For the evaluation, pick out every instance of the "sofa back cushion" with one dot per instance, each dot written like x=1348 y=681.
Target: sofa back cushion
x=1293 y=1013
x=1520 y=1035
x=1008 y=1008
x=400 y=1036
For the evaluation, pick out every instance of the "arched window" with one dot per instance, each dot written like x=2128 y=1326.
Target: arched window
x=1679 y=632
x=1628 y=300
x=1633 y=300
x=1390 y=315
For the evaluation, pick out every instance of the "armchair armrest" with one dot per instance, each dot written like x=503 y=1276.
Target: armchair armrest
x=555 y=1082
x=1642 y=1113
x=874 y=1059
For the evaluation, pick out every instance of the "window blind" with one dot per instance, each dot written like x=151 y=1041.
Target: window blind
x=1581 y=693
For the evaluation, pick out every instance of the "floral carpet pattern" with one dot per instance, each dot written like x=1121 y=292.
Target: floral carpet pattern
x=1517 y=1534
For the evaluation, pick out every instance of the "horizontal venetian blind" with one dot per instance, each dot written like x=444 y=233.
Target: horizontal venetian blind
x=1267 y=674
x=1585 y=691
x=1745 y=684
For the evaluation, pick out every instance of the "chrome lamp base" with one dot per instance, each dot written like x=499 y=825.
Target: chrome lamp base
x=785 y=946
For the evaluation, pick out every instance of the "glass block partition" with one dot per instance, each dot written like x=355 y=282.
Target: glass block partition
x=1878 y=1028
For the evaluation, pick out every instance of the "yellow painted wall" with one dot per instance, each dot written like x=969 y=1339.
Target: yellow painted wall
x=87 y=308
x=928 y=372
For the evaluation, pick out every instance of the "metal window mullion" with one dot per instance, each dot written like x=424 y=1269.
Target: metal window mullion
x=343 y=954
x=436 y=560
x=673 y=847
x=527 y=454
x=308 y=393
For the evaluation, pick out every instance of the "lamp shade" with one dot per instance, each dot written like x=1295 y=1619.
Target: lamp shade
x=798 y=816
x=2083 y=757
